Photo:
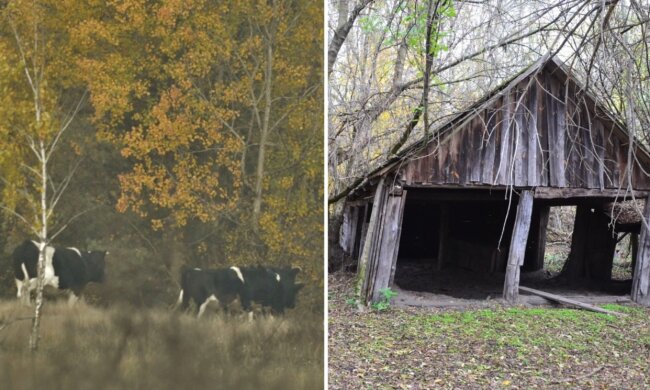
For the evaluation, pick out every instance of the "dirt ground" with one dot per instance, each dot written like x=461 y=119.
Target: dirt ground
x=419 y=284
x=495 y=348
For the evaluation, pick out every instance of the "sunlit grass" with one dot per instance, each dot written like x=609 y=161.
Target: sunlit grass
x=121 y=347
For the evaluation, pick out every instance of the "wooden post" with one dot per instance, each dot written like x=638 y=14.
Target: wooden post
x=641 y=279
x=344 y=233
x=443 y=236
x=373 y=226
x=634 y=242
x=388 y=246
x=518 y=246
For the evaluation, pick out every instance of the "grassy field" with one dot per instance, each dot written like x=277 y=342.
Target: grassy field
x=509 y=348
x=86 y=347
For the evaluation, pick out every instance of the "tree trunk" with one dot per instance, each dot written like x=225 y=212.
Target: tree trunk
x=264 y=136
x=36 y=321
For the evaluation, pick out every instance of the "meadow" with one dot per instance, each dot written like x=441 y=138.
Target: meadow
x=125 y=347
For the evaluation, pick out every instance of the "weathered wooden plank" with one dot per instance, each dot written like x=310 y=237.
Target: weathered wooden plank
x=504 y=164
x=363 y=270
x=454 y=145
x=542 y=132
x=465 y=151
x=557 y=132
x=344 y=232
x=388 y=245
x=376 y=243
x=569 y=301
x=360 y=219
x=613 y=145
x=432 y=152
x=393 y=265
x=476 y=157
x=572 y=146
x=364 y=232
x=598 y=143
x=590 y=153
x=567 y=193
x=520 y=151
x=518 y=246
x=534 y=152
x=487 y=172
x=442 y=164
x=354 y=222
x=641 y=278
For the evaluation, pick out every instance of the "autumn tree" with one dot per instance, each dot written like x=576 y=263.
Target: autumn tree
x=35 y=71
x=216 y=106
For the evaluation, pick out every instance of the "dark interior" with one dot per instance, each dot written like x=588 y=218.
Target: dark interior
x=476 y=250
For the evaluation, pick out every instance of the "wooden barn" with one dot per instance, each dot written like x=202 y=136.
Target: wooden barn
x=476 y=194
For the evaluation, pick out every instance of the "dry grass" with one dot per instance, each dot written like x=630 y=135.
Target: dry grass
x=85 y=347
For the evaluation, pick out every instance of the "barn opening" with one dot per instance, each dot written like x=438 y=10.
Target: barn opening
x=455 y=243
x=558 y=238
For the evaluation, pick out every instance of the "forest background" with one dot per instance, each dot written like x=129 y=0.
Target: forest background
x=187 y=133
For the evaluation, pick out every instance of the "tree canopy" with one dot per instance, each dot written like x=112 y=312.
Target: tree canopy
x=198 y=126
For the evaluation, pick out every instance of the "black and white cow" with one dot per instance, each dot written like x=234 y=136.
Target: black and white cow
x=271 y=287
x=209 y=285
x=65 y=268
x=261 y=285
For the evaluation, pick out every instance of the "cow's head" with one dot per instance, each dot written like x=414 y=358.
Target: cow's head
x=289 y=286
x=291 y=294
x=95 y=264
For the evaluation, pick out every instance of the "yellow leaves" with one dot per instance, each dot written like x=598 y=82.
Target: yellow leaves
x=156 y=224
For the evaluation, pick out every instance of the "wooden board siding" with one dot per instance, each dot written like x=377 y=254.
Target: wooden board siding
x=541 y=132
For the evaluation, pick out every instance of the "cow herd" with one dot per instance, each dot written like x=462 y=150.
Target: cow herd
x=71 y=269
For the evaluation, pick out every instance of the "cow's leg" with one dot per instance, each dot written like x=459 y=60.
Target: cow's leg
x=72 y=298
x=19 y=290
x=211 y=298
x=246 y=304
x=23 y=287
x=28 y=287
x=179 y=302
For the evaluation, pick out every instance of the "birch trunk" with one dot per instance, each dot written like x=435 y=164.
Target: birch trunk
x=36 y=321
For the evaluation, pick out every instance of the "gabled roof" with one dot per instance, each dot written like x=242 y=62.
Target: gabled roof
x=556 y=67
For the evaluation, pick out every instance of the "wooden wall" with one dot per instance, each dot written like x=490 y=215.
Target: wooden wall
x=542 y=132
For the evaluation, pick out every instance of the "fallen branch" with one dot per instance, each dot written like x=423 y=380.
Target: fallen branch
x=569 y=301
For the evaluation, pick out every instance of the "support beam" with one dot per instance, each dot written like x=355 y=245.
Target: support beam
x=572 y=193
x=518 y=246
x=370 y=239
x=569 y=301
x=641 y=279
x=389 y=245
